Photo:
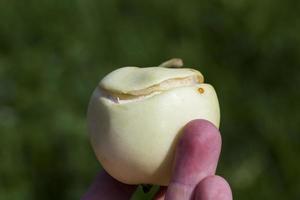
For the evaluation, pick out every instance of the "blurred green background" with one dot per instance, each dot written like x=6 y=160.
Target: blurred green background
x=53 y=53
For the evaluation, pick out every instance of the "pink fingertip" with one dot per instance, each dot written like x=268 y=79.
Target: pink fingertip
x=197 y=153
x=197 y=156
x=213 y=188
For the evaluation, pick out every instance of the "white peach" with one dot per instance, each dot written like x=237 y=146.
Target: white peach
x=135 y=117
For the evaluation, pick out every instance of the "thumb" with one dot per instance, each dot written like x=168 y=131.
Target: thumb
x=197 y=156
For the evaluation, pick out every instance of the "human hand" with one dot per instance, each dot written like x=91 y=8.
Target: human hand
x=193 y=176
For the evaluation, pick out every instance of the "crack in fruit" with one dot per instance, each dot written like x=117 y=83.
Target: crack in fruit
x=152 y=90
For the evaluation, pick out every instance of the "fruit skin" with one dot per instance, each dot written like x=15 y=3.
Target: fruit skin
x=135 y=141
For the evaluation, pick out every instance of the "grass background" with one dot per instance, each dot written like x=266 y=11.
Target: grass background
x=53 y=53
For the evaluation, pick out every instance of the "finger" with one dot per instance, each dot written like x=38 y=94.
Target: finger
x=213 y=188
x=106 y=187
x=196 y=157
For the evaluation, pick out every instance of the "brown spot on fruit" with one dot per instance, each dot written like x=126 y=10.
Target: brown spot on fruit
x=201 y=90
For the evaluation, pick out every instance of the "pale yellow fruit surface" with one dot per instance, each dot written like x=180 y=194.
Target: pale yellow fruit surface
x=136 y=115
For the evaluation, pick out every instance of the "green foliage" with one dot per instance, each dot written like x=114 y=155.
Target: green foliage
x=53 y=53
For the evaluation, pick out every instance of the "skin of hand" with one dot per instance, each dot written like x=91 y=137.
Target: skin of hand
x=193 y=176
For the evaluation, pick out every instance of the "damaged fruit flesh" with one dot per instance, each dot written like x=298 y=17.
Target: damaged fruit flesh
x=146 y=85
